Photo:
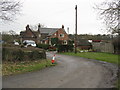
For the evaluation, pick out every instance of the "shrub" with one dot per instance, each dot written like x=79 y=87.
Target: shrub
x=11 y=54
x=19 y=54
x=35 y=55
x=54 y=41
x=43 y=46
x=64 y=48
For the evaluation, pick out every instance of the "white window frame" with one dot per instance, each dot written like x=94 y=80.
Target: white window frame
x=61 y=35
x=65 y=42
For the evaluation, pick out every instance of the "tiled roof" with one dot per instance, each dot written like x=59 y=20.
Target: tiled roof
x=48 y=31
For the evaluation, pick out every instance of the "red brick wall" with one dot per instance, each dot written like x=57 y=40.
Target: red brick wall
x=28 y=33
x=57 y=34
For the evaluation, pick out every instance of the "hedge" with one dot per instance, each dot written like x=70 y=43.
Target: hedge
x=64 y=48
x=18 y=54
x=43 y=46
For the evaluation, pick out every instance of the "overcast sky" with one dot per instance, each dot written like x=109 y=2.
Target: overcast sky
x=55 y=13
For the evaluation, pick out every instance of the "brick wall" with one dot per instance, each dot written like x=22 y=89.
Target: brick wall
x=60 y=32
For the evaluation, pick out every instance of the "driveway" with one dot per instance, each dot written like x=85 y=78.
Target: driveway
x=71 y=72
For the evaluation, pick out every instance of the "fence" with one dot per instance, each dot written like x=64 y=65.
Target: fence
x=103 y=47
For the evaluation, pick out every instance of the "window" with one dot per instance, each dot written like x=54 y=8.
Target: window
x=61 y=35
x=39 y=35
x=65 y=42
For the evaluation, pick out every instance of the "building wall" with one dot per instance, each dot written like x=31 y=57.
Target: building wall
x=29 y=35
x=57 y=34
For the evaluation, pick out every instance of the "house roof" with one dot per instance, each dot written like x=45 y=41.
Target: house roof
x=48 y=31
x=22 y=33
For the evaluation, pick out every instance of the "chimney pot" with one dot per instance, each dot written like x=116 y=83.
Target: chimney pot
x=62 y=26
x=27 y=27
x=39 y=25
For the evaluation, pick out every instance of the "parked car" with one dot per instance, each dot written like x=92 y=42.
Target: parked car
x=29 y=43
x=16 y=43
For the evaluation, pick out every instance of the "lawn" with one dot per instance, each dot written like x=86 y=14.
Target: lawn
x=111 y=58
x=9 y=68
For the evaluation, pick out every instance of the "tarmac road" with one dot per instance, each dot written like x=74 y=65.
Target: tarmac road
x=71 y=72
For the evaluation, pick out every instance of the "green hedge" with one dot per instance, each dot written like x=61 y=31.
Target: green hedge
x=64 y=48
x=18 y=54
x=43 y=46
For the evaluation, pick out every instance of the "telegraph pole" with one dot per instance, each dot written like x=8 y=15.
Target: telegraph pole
x=75 y=41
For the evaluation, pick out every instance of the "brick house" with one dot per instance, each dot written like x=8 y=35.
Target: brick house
x=44 y=35
x=28 y=34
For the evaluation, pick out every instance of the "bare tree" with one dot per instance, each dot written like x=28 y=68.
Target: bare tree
x=8 y=9
x=109 y=12
x=11 y=32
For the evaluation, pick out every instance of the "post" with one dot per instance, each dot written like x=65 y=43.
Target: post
x=75 y=41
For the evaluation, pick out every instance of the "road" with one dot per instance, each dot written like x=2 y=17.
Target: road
x=71 y=72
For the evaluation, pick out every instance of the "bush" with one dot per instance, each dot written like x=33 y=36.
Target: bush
x=11 y=54
x=18 y=54
x=35 y=55
x=54 y=41
x=43 y=46
x=65 y=48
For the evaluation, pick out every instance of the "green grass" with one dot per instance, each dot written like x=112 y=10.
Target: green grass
x=9 y=68
x=107 y=57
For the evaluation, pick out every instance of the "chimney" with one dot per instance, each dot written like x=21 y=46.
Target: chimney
x=27 y=27
x=39 y=27
x=62 y=26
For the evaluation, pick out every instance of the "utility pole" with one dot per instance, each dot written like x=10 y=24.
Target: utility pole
x=75 y=41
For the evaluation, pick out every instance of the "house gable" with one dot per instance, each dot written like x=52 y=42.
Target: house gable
x=28 y=34
x=60 y=34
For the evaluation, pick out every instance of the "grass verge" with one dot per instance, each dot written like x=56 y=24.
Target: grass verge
x=107 y=57
x=9 y=68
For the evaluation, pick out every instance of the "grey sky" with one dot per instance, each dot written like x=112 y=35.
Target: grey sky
x=55 y=13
